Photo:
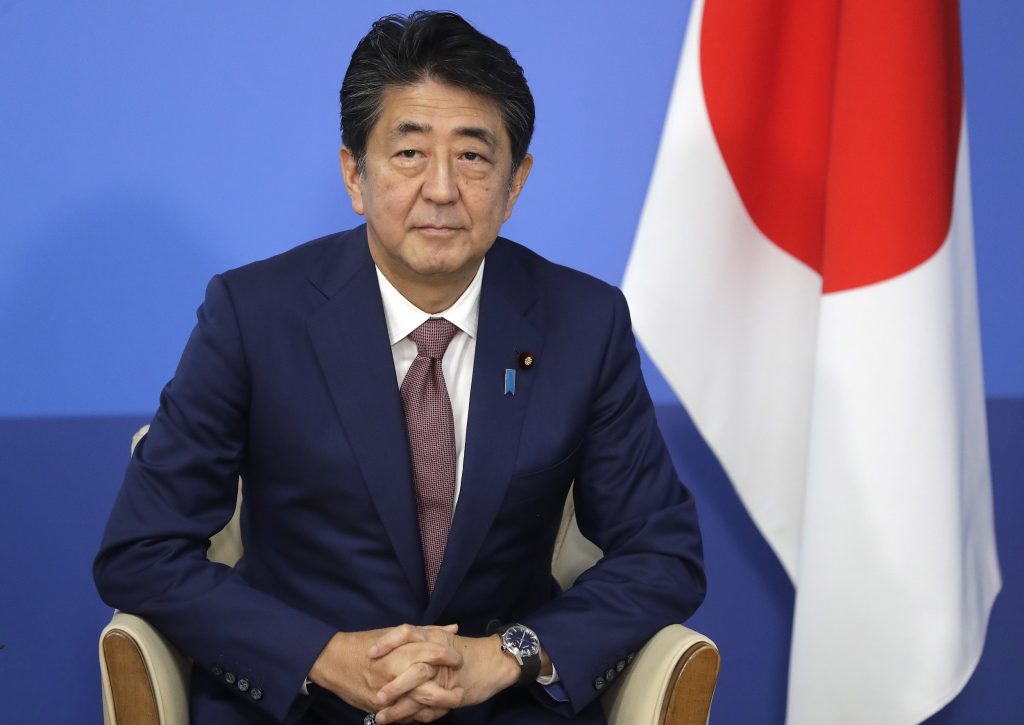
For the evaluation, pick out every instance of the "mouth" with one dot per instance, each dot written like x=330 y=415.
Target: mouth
x=438 y=230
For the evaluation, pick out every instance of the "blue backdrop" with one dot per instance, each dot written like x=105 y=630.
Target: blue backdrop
x=145 y=147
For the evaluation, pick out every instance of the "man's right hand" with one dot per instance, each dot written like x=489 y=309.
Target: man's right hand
x=345 y=668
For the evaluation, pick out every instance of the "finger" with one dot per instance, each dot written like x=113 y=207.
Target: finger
x=409 y=708
x=412 y=665
x=407 y=634
x=403 y=710
x=432 y=695
x=414 y=676
x=432 y=653
x=428 y=699
x=394 y=638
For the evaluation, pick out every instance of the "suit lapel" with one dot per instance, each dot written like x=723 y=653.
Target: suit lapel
x=509 y=324
x=349 y=334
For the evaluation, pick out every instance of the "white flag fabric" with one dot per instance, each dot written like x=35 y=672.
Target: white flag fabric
x=803 y=276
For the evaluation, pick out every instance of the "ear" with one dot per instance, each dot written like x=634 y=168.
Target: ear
x=350 y=173
x=518 y=181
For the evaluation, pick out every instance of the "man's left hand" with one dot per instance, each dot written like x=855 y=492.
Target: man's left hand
x=486 y=671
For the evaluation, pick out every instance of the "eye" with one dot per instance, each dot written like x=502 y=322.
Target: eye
x=407 y=153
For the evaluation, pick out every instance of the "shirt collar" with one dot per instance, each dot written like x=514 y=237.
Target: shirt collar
x=402 y=316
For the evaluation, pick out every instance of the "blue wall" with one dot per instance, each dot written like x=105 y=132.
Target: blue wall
x=145 y=147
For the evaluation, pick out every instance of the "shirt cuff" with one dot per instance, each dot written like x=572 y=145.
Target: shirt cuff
x=553 y=686
x=545 y=680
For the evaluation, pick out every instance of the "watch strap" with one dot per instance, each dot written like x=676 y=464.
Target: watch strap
x=529 y=671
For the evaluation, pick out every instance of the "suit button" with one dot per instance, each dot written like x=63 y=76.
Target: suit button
x=620 y=665
x=217 y=670
x=629 y=658
x=229 y=677
x=256 y=694
x=243 y=684
x=599 y=683
x=609 y=675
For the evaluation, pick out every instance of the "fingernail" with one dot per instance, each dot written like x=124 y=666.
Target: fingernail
x=373 y=650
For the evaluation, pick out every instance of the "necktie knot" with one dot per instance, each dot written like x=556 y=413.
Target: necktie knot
x=433 y=336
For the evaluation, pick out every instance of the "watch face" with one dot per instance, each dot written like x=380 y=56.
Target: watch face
x=521 y=641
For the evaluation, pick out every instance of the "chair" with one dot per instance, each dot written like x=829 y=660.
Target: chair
x=671 y=681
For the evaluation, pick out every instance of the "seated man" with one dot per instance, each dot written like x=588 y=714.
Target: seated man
x=408 y=403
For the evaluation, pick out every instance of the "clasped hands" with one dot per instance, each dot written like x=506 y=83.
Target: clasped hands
x=413 y=674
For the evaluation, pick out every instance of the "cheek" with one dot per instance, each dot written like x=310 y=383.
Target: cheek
x=391 y=198
x=489 y=201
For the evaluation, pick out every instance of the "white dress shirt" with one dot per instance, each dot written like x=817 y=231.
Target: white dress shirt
x=402 y=317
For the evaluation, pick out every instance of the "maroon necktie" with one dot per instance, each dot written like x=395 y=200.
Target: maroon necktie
x=431 y=428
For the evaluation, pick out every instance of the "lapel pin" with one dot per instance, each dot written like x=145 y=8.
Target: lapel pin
x=526 y=360
x=510 y=381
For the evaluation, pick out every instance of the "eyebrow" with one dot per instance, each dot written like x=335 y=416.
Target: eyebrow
x=409 y=127
x=480 y=133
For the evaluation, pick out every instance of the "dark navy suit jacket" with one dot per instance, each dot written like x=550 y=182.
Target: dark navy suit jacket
x=288 y=380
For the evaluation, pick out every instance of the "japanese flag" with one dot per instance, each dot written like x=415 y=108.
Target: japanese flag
x=803 y=276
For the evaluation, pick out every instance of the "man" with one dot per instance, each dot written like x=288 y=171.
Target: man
x=398 y=534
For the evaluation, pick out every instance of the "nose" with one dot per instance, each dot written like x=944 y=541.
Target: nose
x=440 y=185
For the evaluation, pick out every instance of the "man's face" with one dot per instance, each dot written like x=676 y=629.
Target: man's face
x=436 y=186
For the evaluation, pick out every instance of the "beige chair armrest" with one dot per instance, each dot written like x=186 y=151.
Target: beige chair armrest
x=144 y=678
x=671 y=681
x=139 y=435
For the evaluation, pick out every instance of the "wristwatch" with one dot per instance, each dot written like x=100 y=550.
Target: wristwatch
x=522 y=643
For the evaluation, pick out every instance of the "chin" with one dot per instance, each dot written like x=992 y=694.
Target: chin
x=437 y=269
x=440 y=264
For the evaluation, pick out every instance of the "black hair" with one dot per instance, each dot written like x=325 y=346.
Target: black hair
x=404 y=50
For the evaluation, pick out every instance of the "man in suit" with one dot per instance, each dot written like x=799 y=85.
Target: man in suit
x=408 y=403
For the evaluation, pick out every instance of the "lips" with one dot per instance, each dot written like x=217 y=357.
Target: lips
x=439 y=230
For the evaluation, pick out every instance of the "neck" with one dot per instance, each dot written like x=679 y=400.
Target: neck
x=432 y=298
x=433 y=295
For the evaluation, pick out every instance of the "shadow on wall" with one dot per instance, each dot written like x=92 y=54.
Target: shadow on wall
x=98 y=308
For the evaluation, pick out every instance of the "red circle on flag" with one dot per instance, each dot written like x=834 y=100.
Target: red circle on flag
x=839 y=124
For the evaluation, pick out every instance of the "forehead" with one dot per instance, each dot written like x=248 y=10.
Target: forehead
x=438 y=108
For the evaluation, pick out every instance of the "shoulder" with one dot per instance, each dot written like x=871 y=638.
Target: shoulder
x=300 y=262
x=555 y=283
x=315 y=267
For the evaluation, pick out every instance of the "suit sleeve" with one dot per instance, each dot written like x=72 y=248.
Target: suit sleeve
x=178 y=490
x=630 y=502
